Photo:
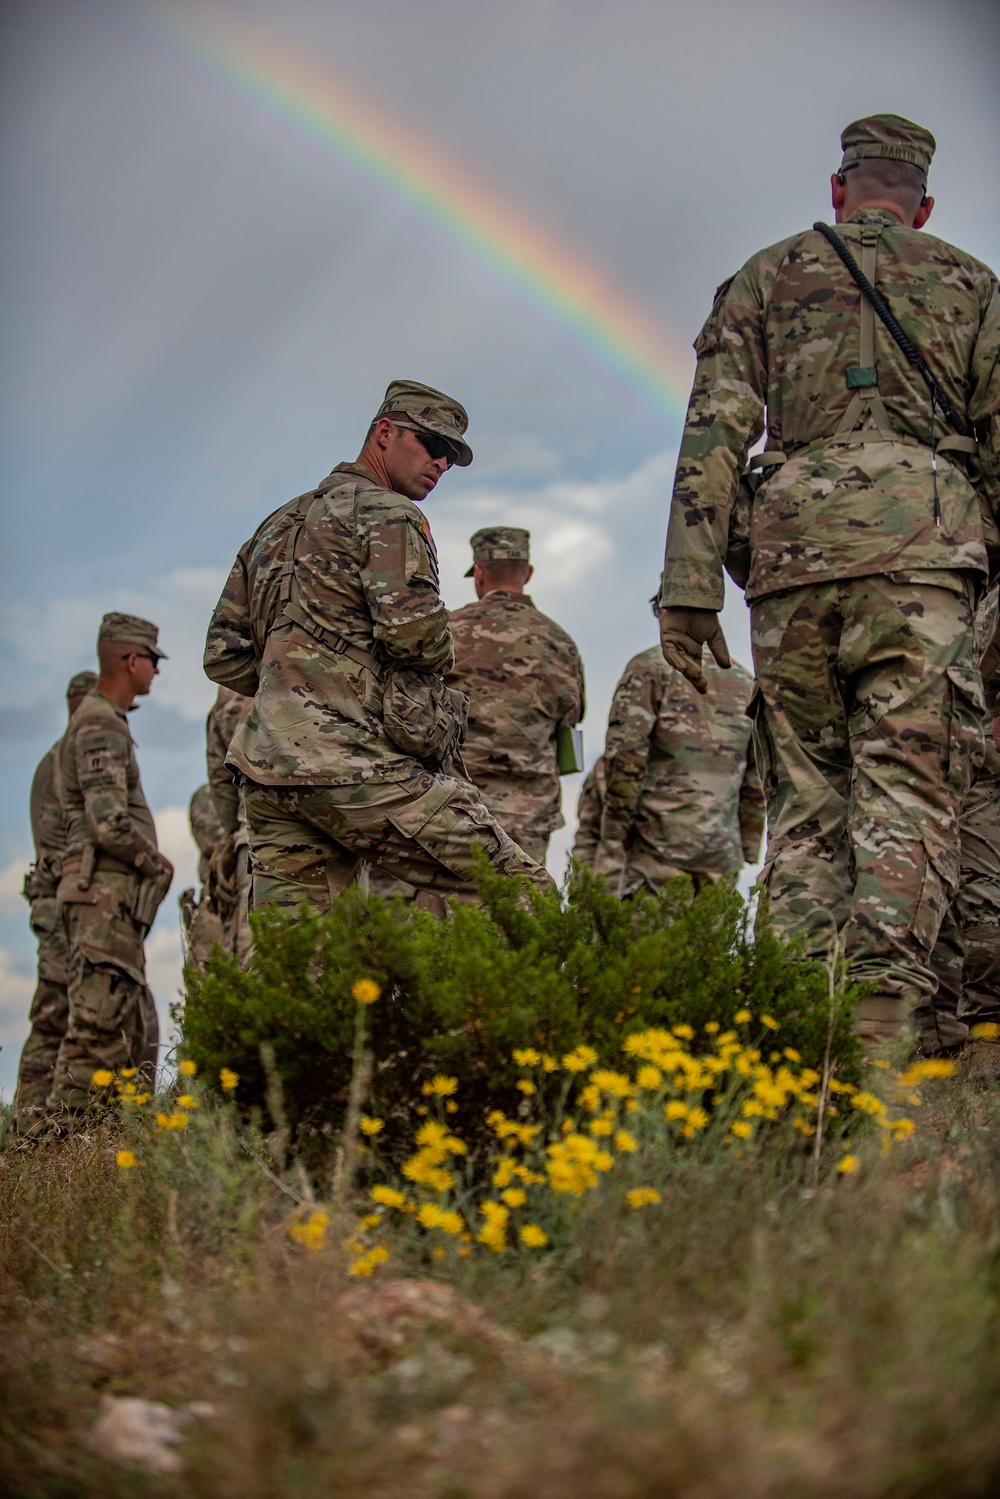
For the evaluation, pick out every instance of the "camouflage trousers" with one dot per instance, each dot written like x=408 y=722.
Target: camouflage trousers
x=647 y=869
x=49 y=1014
x=309 y=842
x=867 y=727
x=221 y=917
x=112 y=1017
x=966 y=958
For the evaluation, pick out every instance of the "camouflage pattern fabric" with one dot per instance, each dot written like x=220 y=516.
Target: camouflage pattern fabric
x=682 y=790
x=589 y=848
x=782 y=335
x=310 y=843
x=868 y=726
x=365 y=574
x=966 y=957
x=49 y=1012
x=523 y=677
x=206 y=829
x=112 y=1019
x=226 y=715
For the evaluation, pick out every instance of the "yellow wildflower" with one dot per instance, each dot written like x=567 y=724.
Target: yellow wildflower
x=770 y=1022
x=711 y=1026
x=848 y=1164
x=388 y=1197
x=185 y=1068
x=524 y=1086
x=367 y=1263
x=187 y=1102
x=675 y=1109
x=741 y=1017
x=551 y=1064
x=228 y=1079
x=641 y=1197
x=441 y=1086
x=533 y=1236
x=985 y=1030
x=601 y=1126
x=527 y=1056
x=615 y=1083
x=791 y=1054
x=366 y=992
x=130 y=1072
x=102 y=1078
x=371 y=1220
x=742 y=1129
x=649 y=1077
x=514 y=1197
x=579 y=1059
x=125 y=1159
x=932 y=1067
x=310 y=1232
x=625 y=1141
x=494 y=1232
x=503 y=1175
x=432 y=1216
x=684 y=1031
x=370 y=1126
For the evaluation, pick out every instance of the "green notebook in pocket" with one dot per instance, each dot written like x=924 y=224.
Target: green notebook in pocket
x=569 y=751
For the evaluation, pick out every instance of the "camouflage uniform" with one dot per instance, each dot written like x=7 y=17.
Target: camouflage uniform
x=331 y=591
x=589 y=848
x=231 y=879
x=49 y=1014
x=200 y=922
x=966 y=957
x=683 y=794
x=868 y=715
x=112 y=880
x=523 y=677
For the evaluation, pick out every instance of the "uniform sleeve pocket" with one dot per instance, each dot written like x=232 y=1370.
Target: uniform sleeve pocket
x=421 y=566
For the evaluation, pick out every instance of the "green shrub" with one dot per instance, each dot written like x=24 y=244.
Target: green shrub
x=459 y=995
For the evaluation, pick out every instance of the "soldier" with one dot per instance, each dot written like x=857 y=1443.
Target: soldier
x=863 y=559
x=682 y=790
x=200 y=923
x=49 y=1013
x=113 y=876
x=966 y=957
x=590 y=850
x=332 y=616
x=231 y=877
x=523 y=677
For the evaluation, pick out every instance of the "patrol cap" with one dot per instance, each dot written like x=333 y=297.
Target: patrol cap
x=500 y=544
x=888 y=136
x=129 y=629
x=81 y=684
x=422 y=409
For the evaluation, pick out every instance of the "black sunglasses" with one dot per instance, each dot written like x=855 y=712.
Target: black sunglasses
x=437 y=447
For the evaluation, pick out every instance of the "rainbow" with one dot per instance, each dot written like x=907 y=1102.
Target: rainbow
x=574 y=296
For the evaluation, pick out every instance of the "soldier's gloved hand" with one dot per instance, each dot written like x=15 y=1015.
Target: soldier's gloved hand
x=683 y=633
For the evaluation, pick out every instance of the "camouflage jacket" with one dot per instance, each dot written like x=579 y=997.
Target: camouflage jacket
x=365 y=576
x=589 y=848
x=99 y=787
x=206 y=829
x=679 y=767
x=782 y=336
x=227 y=713
x=523 y=677
x=48 y=828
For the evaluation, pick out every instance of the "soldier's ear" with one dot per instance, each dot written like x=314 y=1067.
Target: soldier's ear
x=923 y=213
x=838 y=191
x=529 y=575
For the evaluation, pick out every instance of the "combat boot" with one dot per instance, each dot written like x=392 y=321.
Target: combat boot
x=981 y=1062
x=879 y=1021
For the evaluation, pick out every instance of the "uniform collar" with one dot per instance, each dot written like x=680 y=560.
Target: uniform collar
x=884 y=215
x=510 y=594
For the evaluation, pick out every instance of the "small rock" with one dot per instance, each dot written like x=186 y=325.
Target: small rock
x=138 y=1432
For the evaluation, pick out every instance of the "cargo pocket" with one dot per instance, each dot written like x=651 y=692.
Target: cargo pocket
x=966 y=715
x=105 y=999
x=938 y=883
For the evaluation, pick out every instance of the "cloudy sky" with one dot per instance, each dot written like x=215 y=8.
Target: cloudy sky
x=227 y=226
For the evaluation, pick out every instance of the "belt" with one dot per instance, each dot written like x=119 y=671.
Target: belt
x=774 y=457
x=104 y=863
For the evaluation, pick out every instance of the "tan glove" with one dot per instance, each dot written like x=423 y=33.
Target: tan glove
x=683 y=632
